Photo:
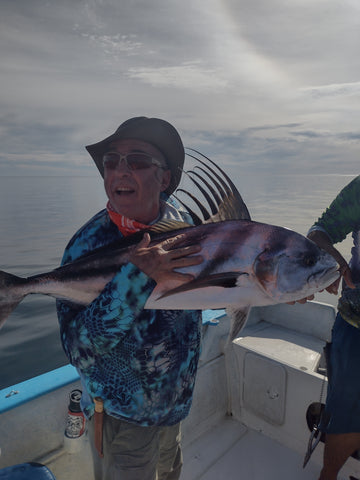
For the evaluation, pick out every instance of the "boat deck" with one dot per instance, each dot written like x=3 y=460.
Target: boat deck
x=231 y=451
x=228 y=450
x=267 y=378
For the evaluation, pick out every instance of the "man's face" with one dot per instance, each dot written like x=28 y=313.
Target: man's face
x=136 y=193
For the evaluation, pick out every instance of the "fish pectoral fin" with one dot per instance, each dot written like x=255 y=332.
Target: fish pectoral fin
x=223 y=280
x=238 y=318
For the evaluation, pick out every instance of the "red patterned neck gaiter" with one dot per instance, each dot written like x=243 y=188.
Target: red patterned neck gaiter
x=124 y=224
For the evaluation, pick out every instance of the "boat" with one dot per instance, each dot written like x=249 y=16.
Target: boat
x=252 y=413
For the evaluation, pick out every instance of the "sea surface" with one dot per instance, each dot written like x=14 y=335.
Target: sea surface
x=39 y=215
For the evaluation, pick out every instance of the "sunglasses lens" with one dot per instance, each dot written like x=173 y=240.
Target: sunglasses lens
x=139 y=161
x=110 y=160
x=134 y=161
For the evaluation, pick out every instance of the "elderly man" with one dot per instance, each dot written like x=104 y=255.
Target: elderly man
x=139 y=365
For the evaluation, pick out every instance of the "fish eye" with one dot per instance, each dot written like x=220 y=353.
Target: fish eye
x=309 y=260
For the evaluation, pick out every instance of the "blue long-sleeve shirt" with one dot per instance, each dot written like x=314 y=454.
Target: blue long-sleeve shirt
x=142 y=363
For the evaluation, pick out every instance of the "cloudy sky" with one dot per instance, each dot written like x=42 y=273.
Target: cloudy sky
x=256 y=83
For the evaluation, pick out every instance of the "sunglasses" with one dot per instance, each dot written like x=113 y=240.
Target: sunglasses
x=134 y=161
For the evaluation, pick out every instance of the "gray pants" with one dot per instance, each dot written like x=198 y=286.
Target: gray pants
x=132 y=452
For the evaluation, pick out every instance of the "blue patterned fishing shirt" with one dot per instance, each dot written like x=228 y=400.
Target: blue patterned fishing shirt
x=142 y=363
x=341 y=218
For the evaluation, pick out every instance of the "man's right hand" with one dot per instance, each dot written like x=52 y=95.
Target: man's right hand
x=159 y=261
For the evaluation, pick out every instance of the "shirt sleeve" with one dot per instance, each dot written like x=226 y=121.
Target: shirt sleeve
x=97 y=328
x=343 y=214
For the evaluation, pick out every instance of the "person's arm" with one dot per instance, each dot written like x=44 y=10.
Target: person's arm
x=86 y=332
x=336 y=222
x=342 y=217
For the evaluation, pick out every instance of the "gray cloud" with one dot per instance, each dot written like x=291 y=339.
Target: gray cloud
x=262 y=83
x=334 y=90
x=313 y=40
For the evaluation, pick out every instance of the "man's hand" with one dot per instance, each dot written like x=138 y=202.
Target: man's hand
x=159 y=261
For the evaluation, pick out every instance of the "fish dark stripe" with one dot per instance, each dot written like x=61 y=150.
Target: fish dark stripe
x=224 y=280
x=223 y=253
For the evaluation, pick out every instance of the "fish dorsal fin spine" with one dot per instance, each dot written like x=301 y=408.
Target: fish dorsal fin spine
x=222 y=201
x=168 y=226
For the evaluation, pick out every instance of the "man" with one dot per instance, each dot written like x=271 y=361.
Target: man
x=343 y=397
x=139 y=364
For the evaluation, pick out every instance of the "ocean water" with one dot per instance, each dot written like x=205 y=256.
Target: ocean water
x=38 y=216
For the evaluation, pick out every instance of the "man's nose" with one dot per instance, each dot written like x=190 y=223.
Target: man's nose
x=122 y=165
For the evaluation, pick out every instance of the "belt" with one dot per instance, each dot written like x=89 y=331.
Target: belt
x=98 y=425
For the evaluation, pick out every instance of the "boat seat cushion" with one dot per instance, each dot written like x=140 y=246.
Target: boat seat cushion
x=26 y=471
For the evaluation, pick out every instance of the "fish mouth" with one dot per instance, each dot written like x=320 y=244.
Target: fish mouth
x=323 y=279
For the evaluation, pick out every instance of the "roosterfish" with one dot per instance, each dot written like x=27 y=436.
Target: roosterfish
x=245 y=263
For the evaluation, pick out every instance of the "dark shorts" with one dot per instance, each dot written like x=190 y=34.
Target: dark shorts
x=343 y=396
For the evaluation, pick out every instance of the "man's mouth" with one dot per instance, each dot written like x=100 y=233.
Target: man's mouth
x=124 y=191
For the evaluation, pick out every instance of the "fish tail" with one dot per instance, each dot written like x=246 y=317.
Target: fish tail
x=9 y=296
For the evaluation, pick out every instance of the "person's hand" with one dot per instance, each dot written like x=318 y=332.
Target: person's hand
x=159 y=261
x=345 y=272
x=302 y=300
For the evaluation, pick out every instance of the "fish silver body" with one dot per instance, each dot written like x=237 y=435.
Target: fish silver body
x=245 y=264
